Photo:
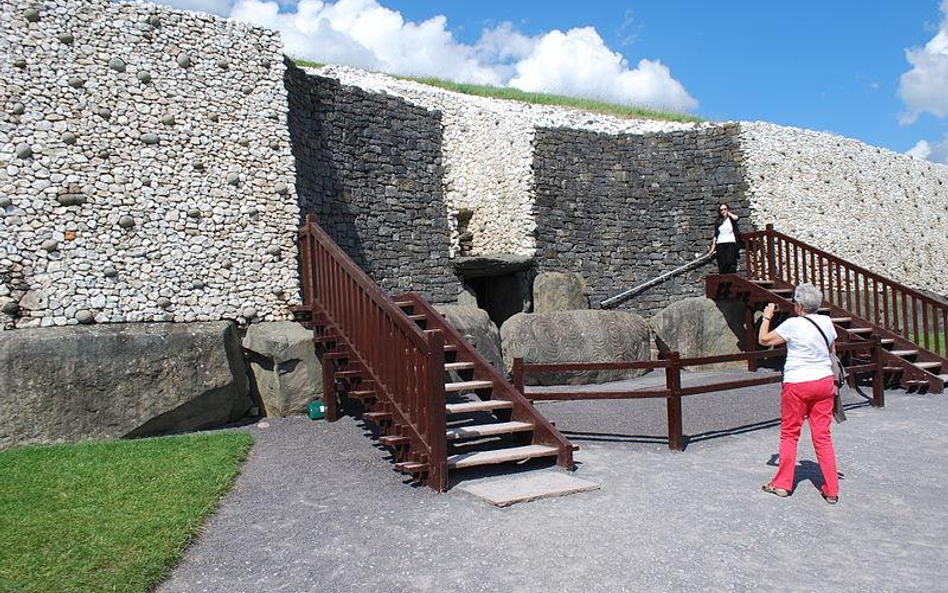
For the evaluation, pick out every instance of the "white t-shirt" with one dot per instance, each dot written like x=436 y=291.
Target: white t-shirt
x=807 y=354
x=726 y=231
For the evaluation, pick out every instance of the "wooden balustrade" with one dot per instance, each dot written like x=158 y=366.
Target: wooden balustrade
x=403 y=364
x=771 y=255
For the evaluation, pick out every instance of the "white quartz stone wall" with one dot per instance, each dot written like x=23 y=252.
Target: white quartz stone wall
x=145 y=167
x=487 y=154
x=885 y=211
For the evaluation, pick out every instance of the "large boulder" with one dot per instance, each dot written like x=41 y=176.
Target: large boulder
x=284 y=366
x=697 y=327
x=477 y=328
x=115 y=380
x=559 y=291
x=576 y=336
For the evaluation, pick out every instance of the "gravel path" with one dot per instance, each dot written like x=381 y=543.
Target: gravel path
x=318 y=508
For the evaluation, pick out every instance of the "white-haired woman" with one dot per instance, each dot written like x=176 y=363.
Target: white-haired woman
x=808 y=388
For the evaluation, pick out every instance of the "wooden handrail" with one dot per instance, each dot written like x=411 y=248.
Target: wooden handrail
x=771 y=255
x=403 y=364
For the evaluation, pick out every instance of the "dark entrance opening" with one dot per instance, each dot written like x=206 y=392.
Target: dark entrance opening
x=501 y=282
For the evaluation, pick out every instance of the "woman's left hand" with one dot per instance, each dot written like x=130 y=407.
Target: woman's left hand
x=769 y=311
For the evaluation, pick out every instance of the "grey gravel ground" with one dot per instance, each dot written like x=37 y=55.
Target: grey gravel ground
x=318 y=508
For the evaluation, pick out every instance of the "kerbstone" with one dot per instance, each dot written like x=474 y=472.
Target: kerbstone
x=115 y=380
x=287 y=373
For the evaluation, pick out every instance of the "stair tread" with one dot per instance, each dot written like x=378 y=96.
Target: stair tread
x=859 y=330
x=927 y=365
x=943 y=377
x=485 y=430
x=458 y=366
x=419 y=317
x=841 y=319
x=904 y=352
x=478 y=406
x=887 y=341
x=500 y=456
x=467 y=385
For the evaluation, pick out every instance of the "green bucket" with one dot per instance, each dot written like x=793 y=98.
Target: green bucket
x=316 y=410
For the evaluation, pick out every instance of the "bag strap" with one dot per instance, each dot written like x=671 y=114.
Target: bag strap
x=819 y=329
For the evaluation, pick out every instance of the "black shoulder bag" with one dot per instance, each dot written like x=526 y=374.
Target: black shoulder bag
x=839 y=376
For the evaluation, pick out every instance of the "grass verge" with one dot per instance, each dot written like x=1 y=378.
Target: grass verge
x=591 y=105
x=108 y=516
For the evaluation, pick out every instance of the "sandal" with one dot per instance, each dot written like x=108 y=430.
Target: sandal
x=771 y=489
x=830 y=499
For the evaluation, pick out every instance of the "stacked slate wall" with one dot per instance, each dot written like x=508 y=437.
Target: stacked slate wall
x=369 y=168
x=622 y=209
x=145 y=167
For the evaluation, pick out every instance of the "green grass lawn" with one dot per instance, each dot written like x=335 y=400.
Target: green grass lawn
x=592 y=105
x=108 y=516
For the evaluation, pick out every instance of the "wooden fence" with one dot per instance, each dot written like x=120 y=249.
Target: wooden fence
x=673 y=391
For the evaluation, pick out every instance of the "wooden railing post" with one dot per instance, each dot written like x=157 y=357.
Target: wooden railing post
x=676 y=440
x=878 y=374
x=516 y=376
x=750 y=336
x=436 y=423
x=769 y=238
x=329 y=389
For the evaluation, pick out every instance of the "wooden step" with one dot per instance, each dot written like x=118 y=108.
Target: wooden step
x=893 y=369
x=417 y=318
x=411 y=467
x=763 y=282
x=450 y=347
x=458 y=366
x=927 y=365
x=781 y=290
x=479 y=406
x=336 y=355
x=467 y=386
x=500 y=456
x=842 y=320
x=904 y=352
x=325 y=339
x=348 y=374
x=487 y=430
x=404 y=304
x=886 y=341
x=943 y=377
x=376 y=417
x=859 y=330
x=363 y=395
x=395 y=441
x=823 y=310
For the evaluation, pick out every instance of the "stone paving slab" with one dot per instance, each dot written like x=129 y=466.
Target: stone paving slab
x=503 y=492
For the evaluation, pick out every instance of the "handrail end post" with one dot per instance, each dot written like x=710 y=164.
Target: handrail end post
x=878 y=374
x=676 y=440
x=437 y=422
x=517 y=374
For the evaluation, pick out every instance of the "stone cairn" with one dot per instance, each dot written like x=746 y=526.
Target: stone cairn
x=145 y=167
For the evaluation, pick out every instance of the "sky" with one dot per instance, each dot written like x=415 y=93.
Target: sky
x=875 y=71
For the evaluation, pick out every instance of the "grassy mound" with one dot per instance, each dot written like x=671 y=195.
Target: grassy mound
x=108 y=516
x=591 y=105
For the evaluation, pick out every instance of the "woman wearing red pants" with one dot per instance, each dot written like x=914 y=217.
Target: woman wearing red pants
x=808 y=388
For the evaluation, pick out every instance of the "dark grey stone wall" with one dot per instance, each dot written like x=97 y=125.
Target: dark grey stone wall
x=368 y=166
x=622 y=209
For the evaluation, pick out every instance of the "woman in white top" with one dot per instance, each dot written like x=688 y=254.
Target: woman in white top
x=808 y=388
x=726 y=240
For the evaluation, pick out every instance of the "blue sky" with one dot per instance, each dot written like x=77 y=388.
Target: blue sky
x=831 y=66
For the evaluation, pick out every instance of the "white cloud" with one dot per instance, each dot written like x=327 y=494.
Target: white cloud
x=936 y=152
x=578 y=63
x=365 y=34
x=924 y=88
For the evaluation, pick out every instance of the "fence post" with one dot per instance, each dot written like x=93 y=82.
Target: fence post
x=436 y=424
x=517 y=374
x=771 y=261
x=878 y=374
x=750 y=335
x=329 y=389
x=676 y=441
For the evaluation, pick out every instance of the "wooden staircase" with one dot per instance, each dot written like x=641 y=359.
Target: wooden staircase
x=911 y=327
x=438 y=405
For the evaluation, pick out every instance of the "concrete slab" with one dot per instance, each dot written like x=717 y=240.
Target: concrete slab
x=510 y=490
